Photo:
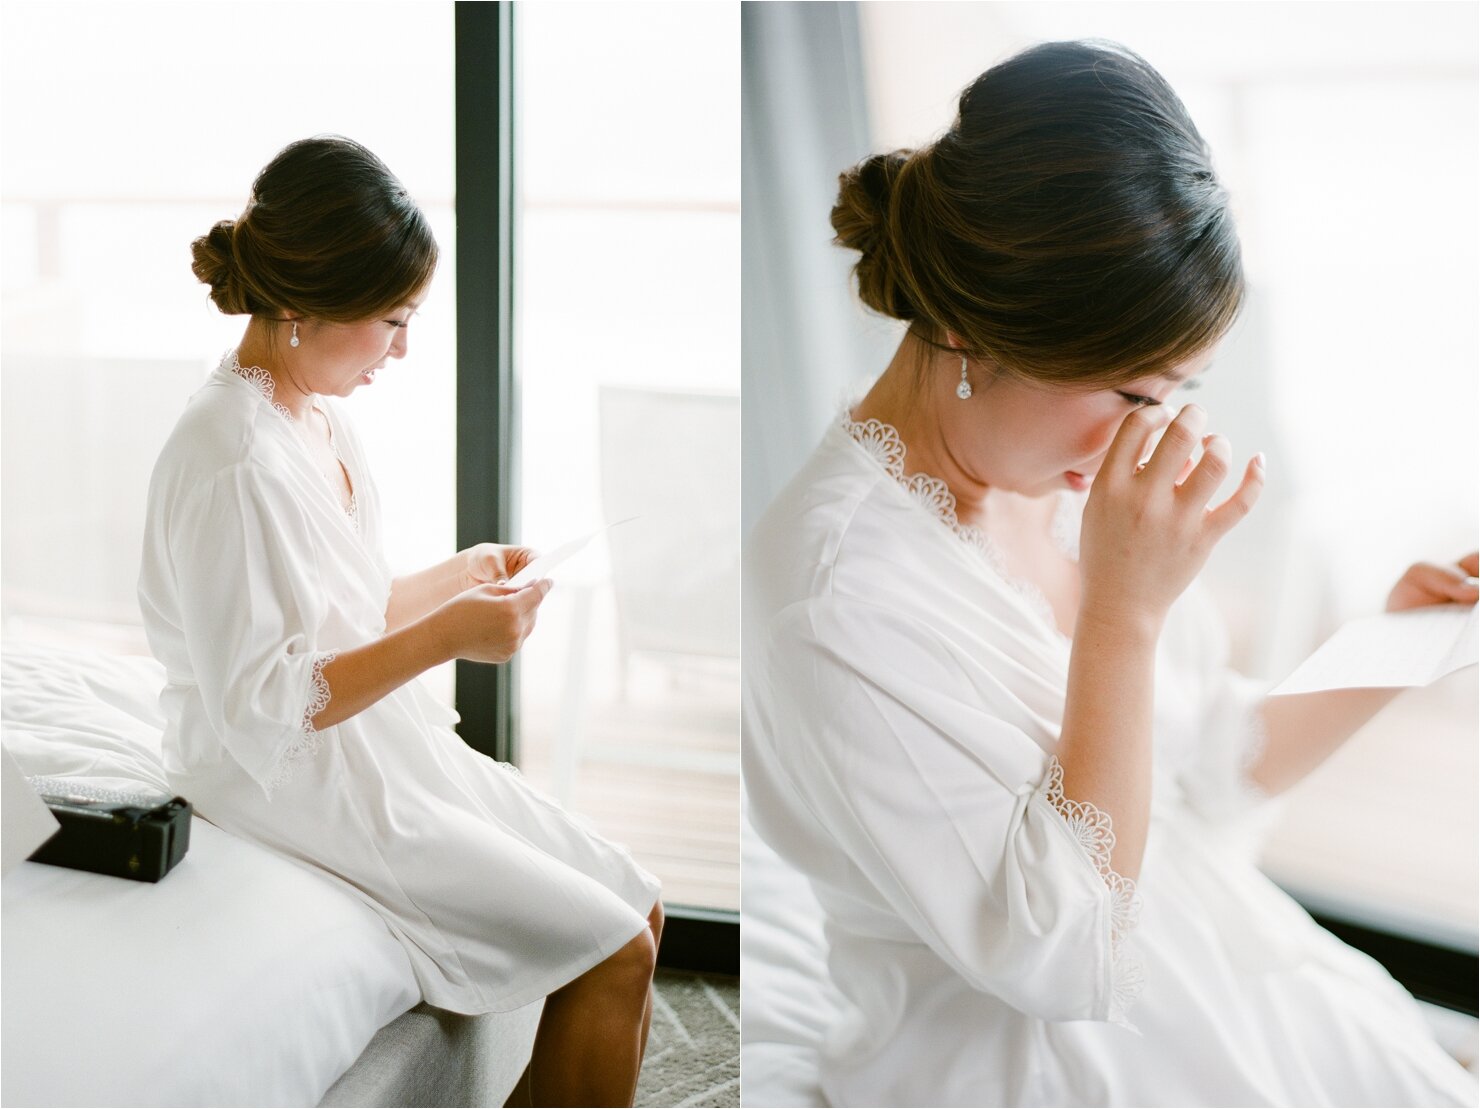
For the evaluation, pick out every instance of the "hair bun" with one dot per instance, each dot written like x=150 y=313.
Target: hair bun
x=863 y=222
x=213 y=261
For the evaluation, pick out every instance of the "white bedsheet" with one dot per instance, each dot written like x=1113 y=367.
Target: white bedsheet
x=240 y=979
x=787 y=1002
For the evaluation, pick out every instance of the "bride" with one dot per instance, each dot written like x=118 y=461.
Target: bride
x=989 y=716
x=296 y=717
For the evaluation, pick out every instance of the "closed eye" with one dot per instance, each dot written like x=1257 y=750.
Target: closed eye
x=1139 y=400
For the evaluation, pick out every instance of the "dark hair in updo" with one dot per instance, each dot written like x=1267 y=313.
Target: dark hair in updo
x=1068 y=227
x=329 y=233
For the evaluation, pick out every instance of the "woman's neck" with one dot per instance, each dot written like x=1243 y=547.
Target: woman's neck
x=908 y=396
x=255 y=350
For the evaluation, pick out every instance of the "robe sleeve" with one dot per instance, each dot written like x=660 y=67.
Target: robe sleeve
x=252 y=604
x=1231 y=729
x=907 y=752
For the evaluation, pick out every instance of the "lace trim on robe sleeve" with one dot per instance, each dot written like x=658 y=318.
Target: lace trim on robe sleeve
x=308 y=743
x=1091 y=827
x=1255 y=743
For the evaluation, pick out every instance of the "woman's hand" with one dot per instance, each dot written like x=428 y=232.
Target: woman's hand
x=1148 y=529
x=1429 y=583
x=489 y=622
x=493 y=562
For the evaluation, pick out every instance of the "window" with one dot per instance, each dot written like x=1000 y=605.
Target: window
x=113 y=162
x=628 y=371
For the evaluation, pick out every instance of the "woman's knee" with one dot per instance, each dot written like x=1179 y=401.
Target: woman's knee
x=632 y=965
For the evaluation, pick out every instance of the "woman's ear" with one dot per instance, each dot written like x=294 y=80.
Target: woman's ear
x=953 y=340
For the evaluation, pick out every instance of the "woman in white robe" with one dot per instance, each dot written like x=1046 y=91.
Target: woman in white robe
x=1006 y=750
x=295 y=717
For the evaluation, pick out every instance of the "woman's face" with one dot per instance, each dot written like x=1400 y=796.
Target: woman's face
x=1037 y=439
x=340 y=357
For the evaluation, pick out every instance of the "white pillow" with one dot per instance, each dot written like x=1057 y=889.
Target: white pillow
x=82 y=712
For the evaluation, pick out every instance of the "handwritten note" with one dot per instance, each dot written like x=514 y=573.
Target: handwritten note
x=1394 y=650
x=543 y=564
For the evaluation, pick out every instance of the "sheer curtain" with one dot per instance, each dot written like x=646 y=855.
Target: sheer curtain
x=806 y=342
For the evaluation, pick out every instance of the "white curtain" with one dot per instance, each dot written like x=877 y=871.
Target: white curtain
x=806 y=341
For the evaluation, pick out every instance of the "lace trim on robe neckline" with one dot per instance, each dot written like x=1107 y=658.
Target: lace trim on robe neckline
x=1091 y=826
x=260 y=378
x=308 y=743
x=881 y=442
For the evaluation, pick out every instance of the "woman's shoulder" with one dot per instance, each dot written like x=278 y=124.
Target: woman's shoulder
x=225 y=425
x=839 y=505
x=851 y=520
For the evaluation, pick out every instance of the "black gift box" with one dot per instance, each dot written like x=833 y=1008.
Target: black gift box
x=130 y=835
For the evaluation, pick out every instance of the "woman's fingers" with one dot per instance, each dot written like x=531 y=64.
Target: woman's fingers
x=503 y=588
x=1202 y=482
x=532 y=594
x=517 y=558
x=1177 y=444
x=1443 y=583
x=1129 y=445
x=1221 y=519
x=1470 y=564
x=1188 y=466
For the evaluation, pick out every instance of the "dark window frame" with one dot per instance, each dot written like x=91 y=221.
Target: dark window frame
x=487 y=697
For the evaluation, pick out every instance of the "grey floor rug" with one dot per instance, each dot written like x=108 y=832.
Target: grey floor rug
x=693 y=1051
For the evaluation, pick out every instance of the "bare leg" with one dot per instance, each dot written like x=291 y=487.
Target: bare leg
x=655 y=922
x=589 y=1045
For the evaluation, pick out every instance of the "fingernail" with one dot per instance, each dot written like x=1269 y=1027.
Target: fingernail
x=1259 y=460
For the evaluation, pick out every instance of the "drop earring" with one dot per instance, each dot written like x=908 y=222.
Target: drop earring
x=964 y=389
x=293 y=342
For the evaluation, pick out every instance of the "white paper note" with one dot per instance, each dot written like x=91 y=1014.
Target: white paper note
x=543 y=564
x=28 y=823
x=1394 y=650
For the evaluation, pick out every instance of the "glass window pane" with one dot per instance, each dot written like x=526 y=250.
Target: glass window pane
x=628 y=305
x=113 y=161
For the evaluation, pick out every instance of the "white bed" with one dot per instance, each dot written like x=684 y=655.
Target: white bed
x=242 y=978
x=786 y=998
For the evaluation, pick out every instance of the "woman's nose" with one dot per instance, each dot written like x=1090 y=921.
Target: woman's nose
x=398 y=345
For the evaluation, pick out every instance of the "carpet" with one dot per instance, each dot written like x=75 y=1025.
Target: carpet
x=693 y=1050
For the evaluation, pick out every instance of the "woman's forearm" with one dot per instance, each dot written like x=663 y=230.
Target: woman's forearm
x=415 y=595
x=1304 y=730
x=359 y=677
x=1105 y=743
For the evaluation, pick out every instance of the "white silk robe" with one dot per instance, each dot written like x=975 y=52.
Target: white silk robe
x=903 y=701
x=253 y=577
